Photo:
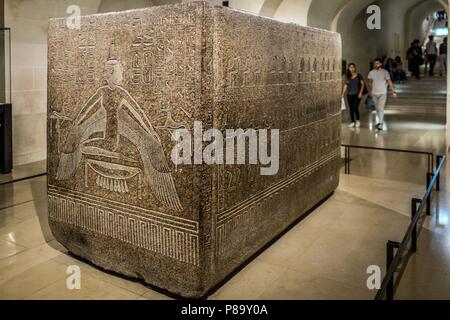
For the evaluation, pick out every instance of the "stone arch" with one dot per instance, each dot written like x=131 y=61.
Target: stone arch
x=269 y=7
x=416 y=15
x=321 y=13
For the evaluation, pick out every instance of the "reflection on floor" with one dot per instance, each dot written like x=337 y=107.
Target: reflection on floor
x=401 y=131
x=325 y=256
x=24 y=171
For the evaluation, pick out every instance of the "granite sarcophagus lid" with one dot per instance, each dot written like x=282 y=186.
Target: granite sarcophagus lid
x=119 y=88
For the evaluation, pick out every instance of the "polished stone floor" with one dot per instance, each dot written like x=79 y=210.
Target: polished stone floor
x=325 y=256
x=24 y=171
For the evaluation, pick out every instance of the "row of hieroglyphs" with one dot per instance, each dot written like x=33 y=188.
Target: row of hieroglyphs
x=76 y=66
x=279 y=70
x=162 y=58
x=137 y=20
x=151 y=66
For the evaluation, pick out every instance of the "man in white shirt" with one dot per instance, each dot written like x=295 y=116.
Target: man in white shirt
x=379 y=80
x=431 y=51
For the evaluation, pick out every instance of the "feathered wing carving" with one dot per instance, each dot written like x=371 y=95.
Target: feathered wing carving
x=153 y=158
x=135 y=126
x=69 y=162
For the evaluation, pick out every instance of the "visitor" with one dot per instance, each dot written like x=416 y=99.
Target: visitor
x=431 y=52
x=443 y=57
x=415 y=58
x=442 y=15
x=390 y=67
x=379 y=80
x=399 y=73
x=354 y=89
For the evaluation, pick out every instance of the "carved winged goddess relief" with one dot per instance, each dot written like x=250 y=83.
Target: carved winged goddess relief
x=113 y=113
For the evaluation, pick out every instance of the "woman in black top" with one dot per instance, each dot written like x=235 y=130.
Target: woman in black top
x=354 y=89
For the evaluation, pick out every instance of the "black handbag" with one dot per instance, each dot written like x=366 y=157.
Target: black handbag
x=421 y=61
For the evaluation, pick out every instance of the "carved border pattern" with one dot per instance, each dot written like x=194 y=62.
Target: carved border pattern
x=176 y=238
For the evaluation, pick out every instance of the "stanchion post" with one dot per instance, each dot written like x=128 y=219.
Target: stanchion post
x=430 y=166
x=438 y=179
x=429 y=177
x=346 y=160
x=349 y=160
x=414 y=203
x=432 y=162
x=390 y=245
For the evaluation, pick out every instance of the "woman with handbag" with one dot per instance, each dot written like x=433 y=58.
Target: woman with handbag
x=354 y=89
x=415 y=58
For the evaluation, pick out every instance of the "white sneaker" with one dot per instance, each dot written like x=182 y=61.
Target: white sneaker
x=358 y=124
x=351 y=125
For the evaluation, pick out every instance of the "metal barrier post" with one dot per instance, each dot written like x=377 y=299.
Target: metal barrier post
x=429 y=178
x=348 y=160
x=393 y=261
x=390 y=245
x=430 y=166
x=414 y=203
x=438 y=179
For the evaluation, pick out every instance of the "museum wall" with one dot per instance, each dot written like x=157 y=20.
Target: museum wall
x=114 y=5
x=2 y=14
x=249 y=6
x=2 y=53
x=359 y=43
x=322 y=12
x=28 y=21
x=390 y=37
x=393 y=39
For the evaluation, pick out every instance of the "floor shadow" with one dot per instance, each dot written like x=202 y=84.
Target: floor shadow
x=39 y=193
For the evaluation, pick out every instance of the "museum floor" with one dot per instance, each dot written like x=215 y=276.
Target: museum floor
x=25 y=171
x=325 y=256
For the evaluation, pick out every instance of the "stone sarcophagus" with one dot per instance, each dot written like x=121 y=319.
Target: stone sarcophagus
x=122 y=87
